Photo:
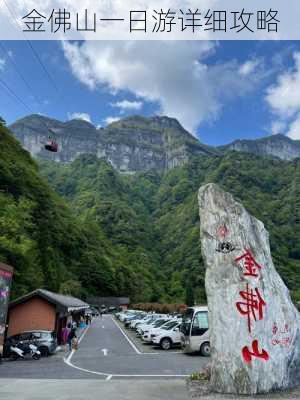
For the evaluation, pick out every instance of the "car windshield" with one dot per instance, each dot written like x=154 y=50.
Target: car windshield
x=171 y=326
x=159 y=323
x=149 y=320
x=47 y=335
x=167 y=324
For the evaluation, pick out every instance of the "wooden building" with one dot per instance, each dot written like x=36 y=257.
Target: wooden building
x=43 y=310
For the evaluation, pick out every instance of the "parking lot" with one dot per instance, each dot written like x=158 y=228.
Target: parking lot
x=142 y=346
x=107 y=351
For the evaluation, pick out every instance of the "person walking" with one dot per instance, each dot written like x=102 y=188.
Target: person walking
x=65 y=333
x=71 y=336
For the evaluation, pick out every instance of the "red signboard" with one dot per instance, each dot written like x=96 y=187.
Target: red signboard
x=6 y=273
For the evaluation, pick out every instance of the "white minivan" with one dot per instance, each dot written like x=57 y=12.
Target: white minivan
x=194 y=331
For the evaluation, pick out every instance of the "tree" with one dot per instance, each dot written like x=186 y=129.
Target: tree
x=189 y=295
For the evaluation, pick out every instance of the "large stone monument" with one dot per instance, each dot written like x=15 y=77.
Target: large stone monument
x=254 y=326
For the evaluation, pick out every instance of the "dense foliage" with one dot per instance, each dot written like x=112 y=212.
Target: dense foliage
x=104 y=233
x=47 y=244
x=152 y=219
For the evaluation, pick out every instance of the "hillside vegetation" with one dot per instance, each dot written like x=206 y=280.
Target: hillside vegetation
x=85 y=229
x=47 y=243
x=152 y=218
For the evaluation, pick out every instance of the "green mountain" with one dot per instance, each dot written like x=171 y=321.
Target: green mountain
x=48 y=244
x=154 y=216
x=92 y=230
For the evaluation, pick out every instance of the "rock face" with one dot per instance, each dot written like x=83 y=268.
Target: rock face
x=278 y=146
x=254 y=326
x=135 y=144
x=131 y=145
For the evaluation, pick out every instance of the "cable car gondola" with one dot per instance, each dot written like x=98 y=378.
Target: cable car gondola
x=51 y=145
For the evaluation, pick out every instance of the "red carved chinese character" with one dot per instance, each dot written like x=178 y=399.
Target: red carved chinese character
x=247 y=354
x=253 y=302
x=249 y=263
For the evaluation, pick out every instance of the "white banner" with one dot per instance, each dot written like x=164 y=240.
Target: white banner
x=149 y=20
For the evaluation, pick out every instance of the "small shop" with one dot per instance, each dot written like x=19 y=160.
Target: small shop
x=44 y=310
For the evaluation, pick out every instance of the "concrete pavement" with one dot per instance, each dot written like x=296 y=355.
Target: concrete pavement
x=33 y=389
x=107 y=350
x=108 y=365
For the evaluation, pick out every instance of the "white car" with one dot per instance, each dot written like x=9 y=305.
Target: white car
x=144 y=323
x=126 y=314
x=147 y=325
x=156 y=325
x=134 y=324
x=147 y=334
x=167 y=338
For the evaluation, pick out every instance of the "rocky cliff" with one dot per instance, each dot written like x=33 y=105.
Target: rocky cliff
x=136 y=143
x=130 y=145
x=279 y=146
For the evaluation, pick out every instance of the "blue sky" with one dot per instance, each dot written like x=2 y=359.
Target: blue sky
x=219 y=91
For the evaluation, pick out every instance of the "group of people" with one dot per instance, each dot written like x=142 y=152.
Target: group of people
x=69 y=335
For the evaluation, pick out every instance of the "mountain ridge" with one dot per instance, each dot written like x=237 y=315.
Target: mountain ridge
x=136 y=143
x=279 y=146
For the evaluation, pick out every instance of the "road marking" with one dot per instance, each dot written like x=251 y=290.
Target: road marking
x=68 y=359
x=105 y=351
x=151 y=376
x=110 y=376
x=68 y=362
x=129 y=340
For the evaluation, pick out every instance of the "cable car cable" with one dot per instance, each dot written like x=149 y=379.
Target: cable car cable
x=13 y=94
x=12 y=13
x=24 y=80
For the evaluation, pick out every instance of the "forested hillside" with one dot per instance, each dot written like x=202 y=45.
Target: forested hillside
x=152 y=218
x=91 y=230
x=48 y=244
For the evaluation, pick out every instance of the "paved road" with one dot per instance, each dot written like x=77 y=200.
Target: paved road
x=107 y=349
x=106 y=353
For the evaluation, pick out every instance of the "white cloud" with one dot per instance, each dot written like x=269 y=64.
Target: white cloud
x=294 y=129
x=173 y=74
x=249 y=67
x=126 y=105
x=284 y=96
x=78 y=115
x=278 y=127
x=284 y=100
x=110 y=120
x=2 y=64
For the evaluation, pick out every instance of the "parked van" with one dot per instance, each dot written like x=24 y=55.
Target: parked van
x=194 y=331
